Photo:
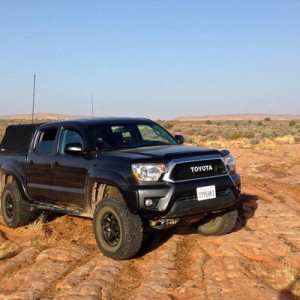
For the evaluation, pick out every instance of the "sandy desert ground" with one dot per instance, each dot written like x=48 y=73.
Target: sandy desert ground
x=260 y=259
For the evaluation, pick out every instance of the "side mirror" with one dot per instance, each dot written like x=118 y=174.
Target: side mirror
x=74 y=149
x=179 y=138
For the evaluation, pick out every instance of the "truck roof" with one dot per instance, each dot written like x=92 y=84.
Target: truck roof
x=17 y=138
x=98 y=120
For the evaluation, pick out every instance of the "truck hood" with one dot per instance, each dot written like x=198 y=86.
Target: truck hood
x=162 y=152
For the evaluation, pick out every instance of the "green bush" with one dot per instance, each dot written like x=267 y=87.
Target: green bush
x=255 y=141
x=292 y=123
x=248 y=134
x=167 y=125
x=212 y=137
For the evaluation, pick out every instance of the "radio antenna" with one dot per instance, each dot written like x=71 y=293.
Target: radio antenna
x=94 y=126
x=33 y=98
x=92 y=102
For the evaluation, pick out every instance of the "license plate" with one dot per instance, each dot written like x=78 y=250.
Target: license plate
x=206 y=192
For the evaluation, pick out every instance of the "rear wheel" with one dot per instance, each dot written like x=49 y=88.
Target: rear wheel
x=118 y=232
x=15 y=210
x=218 y=224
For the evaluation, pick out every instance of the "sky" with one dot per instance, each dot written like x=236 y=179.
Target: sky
x=158 y=59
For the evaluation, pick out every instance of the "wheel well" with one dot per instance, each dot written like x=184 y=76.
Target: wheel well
x=102 y=190
x=112 y=191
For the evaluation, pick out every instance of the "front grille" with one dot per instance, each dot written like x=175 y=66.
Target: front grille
x=198 y=169
x=193 y=195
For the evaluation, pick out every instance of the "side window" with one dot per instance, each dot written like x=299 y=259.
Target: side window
x=45 y=142
x=121 y=136
x=69 y=136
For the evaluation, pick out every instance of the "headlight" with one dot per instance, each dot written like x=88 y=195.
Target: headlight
x=229 y=163
x=148 y=172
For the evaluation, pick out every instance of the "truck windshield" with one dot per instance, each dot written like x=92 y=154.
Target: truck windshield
x=130 y=135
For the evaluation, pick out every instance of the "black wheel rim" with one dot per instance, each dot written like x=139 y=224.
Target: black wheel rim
x=111 y=229
x=9 y=206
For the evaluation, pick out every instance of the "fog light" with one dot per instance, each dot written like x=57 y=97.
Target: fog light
x=148 y=202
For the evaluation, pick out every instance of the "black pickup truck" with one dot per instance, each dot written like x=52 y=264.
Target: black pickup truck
x=127 y=174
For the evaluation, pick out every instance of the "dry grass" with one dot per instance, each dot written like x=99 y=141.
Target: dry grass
x=281 y=278
x=245 y=134
x=38 y=223
x=8 y=250
x=288 y=274
x=78 y=234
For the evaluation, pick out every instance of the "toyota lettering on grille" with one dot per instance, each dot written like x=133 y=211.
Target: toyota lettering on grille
x=199 y=169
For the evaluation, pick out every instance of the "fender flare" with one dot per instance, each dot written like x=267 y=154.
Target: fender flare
x=114 y=179
x=17 y=172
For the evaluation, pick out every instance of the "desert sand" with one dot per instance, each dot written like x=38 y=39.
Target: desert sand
x=58 y=258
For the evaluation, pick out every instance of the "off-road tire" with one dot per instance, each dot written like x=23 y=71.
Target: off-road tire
x=218 y=224
x=118 y=232
x=15 y=210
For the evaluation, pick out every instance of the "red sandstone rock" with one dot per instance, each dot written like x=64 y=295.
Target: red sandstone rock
x=260 y=259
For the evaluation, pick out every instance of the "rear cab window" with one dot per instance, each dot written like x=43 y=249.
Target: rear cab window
x=45 y=141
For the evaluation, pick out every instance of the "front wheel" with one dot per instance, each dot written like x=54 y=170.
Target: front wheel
x=218 y=224
x=119 y=233
x=15 y=210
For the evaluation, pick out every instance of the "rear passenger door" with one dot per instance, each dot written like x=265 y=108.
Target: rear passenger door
x=39 y=165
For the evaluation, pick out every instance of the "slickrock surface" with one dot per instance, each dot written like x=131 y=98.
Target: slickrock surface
x=260 y=259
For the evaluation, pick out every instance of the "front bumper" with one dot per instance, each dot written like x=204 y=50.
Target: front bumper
x=179 y=199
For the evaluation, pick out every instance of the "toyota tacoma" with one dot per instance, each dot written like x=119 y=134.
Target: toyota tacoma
x=127 y=174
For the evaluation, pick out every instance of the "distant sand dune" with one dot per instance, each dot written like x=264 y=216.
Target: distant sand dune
x=39 y=116
x=240 y=117
x=233 y=117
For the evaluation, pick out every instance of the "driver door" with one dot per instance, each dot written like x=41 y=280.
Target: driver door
x=70 y=172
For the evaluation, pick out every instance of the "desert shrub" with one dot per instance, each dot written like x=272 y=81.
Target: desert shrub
x=292 y=123
x=255 y=141
x=189 y=140
x=192 y=131
x=226 y=135
x=208 y=122
x=248 y=134
x=231 y=135
x=260 y=124
x=207 y=131
x=267 y=119
x=268 y=134
x=167 y=125
x=212 y=137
